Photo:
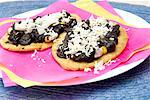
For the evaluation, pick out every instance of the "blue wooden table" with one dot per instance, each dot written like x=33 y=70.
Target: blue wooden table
x=132 y=85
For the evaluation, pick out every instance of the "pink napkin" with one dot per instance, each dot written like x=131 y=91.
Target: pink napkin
x=36 y=70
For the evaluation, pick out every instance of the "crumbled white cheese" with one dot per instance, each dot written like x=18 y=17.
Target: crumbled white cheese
x=113 y=61
x=87 y=69
x=46 y=20
x=53 y=18
x=85 y=40
x=25 y=25
x=117 y=59
x=43 y=61
x=66 y=20
x=41 y=30
x=39 y=59
x=98 y=67
x=111 y=39
x=97 y=21
x=52 y=35
x=110 y=62
x=79 y=42
x=36 y=57
x=42 y=23
x=34 y=54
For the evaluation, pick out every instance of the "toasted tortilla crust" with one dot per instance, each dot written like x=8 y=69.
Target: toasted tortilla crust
x=31 y=47
x=69 y=64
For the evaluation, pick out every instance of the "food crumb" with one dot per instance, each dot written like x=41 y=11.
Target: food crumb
x=34 y=54
x=98 y=67
x=11 y=65
x=110 y=62
x=111 y=39
x=87 y=69
x=35 y=57
x=39 y=59
x=113 y=61
x=43 y=61
x=117 y=59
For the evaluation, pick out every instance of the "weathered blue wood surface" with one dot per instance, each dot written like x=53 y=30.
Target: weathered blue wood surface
x=132 y=85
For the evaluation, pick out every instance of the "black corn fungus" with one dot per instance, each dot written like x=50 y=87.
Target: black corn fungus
x=14 y=36
x=58 y=28
x=25 y=39
x=20 y=37
x=110 y=44
x=82 y=57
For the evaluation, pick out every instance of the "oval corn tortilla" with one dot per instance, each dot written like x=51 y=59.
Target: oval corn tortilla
x=31 y=47
x=69 y=64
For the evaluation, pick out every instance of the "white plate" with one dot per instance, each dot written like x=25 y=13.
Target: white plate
x=128 y=17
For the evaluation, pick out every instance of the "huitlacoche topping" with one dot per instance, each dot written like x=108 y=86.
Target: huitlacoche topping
x=36 y=30
x=88 y=39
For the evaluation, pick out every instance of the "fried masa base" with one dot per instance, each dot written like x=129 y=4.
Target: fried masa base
x=31 y=47
x=69 y=64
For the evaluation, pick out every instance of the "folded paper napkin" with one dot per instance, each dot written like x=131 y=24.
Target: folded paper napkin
x=27 y=70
